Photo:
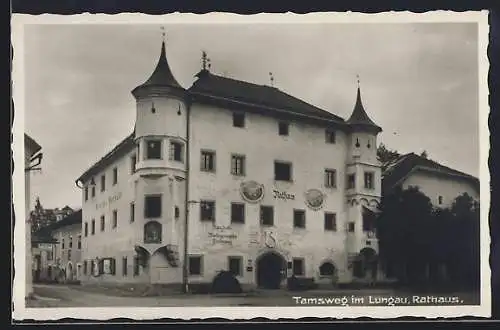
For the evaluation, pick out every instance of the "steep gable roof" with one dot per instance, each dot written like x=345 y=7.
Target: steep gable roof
x=231 y=90
x=401 y=167
x=119 y=150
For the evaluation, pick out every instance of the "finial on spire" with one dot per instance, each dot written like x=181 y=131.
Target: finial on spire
x=162 y=28
x=204 y=60
x=271 y=77
x=357 y=78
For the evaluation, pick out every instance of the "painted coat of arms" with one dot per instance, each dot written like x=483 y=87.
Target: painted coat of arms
x=252 y=191
x=314 y=198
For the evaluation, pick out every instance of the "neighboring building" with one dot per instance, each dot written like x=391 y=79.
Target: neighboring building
x=42 y=250
x=31 y=155
x=63 y=246
x=270 y=186
x=440 y=183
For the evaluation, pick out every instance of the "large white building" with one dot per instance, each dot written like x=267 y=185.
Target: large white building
x=268 y=185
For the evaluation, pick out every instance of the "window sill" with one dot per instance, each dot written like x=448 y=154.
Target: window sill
x=208 y=171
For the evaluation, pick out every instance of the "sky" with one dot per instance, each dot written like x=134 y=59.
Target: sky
x=419 y=82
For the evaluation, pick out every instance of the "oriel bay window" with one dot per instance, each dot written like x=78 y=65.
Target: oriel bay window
x=176 y=151
x=207 y=211
x=152 y=206
x=153 y=149
x=237 y=213
x=152 y=232
x=369 y=180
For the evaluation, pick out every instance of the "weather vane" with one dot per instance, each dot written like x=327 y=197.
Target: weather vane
x=271 y=77
x=204 y=60
x=357 y=77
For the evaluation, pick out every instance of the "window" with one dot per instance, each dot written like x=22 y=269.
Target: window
x=115 y=176
x=115 y=218
x=237 y=213
x=132 y=212
x=299 y=219
x=176 y=212
x=103 y=182
x=176 y=151
x=153 y=149
x=133 y=161
x=93 y=191
x=282 y=171
x=330 y=178
x=124 y=266
x=152 y=232
x=195 y=265
x=92 y=231
x=152 y=206
x=91 y=267
x=369 y=180
x=330 y=136
x=238 y=119
x=86 y=229
x=207 y=211
x=70 y=241
x=283 y=128
x=86 y=193
x=351 y=181
x=103 y=222
x=330 y=221
x=238 y=165
x=85 y=267
x=350 y=227
x=235 y=265
x=62 y=244
x=266 y=215
x=298 y=266
x=440 y=200
x=327 y=269
x=112 y=266
x=136 y=265
x=208 y=161
x=79 y=242
x=69 y=254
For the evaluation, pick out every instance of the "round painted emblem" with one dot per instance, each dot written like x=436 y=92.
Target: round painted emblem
x=314 y=198
x=252 y=191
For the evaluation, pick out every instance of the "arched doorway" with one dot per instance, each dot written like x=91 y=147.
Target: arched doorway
x=270 y=270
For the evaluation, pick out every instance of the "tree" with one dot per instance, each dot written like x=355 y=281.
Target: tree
x=402 y=229
x=385 y=155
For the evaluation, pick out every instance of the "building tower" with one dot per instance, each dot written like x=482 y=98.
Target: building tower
x=160 y=136
x=363 y=192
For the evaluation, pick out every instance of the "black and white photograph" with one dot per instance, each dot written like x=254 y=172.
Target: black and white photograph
x=275 y=165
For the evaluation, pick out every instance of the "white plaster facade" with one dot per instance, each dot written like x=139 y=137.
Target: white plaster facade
x=162 y=115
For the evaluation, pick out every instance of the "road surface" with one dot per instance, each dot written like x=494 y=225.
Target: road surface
x=70 y=296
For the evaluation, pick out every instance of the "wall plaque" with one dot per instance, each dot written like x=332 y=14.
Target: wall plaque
x=314 y=199
x=252 y=191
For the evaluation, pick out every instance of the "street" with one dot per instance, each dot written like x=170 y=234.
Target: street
x=73 y=296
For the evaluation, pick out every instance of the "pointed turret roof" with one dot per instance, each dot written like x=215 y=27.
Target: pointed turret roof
x=359 y=118
x=162 y=75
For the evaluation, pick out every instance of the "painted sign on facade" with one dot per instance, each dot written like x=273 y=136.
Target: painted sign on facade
x=283 y=195
x=109 y=201
x=222 y=238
